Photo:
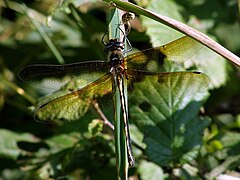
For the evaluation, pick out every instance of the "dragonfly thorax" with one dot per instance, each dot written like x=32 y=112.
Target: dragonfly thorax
x=115 y=48
x=114 y=44
x=116 y=62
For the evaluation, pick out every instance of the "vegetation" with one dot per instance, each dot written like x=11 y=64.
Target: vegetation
x=205 y=129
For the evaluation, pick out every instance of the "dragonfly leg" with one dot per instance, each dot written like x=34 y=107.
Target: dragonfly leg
x=102 y=40
x=128 y=42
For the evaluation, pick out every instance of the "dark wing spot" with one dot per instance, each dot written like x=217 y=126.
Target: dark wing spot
x=161 y=78
x=155 y=54
x=160 y=57
x=197 y=72
x=145 y=106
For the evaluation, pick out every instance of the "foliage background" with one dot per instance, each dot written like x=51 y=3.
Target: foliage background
x=29 y=149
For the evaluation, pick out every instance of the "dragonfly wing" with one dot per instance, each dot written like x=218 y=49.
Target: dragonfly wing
x=172 y=86
x=57 y=76
x=153 y=59
x=73 y=105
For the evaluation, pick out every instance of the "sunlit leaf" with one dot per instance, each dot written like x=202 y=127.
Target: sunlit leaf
x=95 y=127
x=170 y=123
x=159 y=33
x=206 y=60
x=212 y=64
x=148 y=170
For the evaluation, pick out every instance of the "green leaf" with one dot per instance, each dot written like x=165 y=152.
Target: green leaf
x=167 y=114
x=212 y=64
x=149 y=170
x=230 y=145
x=95 y=127
x=232 y=30
x=62 y=141
x=8 y=143
x=77 y=157
x=206 y=60
x=158 y=33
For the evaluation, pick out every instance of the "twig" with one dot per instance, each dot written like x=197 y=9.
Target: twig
x=101 y=114
x=181 y=27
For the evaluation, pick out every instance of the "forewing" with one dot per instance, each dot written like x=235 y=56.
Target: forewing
x=155 y=59
x=71 y=76
x=73 y=105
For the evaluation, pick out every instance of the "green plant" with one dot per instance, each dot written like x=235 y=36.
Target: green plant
x=77 y=149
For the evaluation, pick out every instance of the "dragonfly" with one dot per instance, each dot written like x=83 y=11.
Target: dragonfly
x=95 y=79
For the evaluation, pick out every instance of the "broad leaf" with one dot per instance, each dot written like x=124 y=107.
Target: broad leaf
x=167 y=113
x=212 y=64
x=149 y=170
x=160 y=34
x=8 y=143
x=206 y=60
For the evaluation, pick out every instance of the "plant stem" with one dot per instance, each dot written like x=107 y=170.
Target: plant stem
x=114 y=19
